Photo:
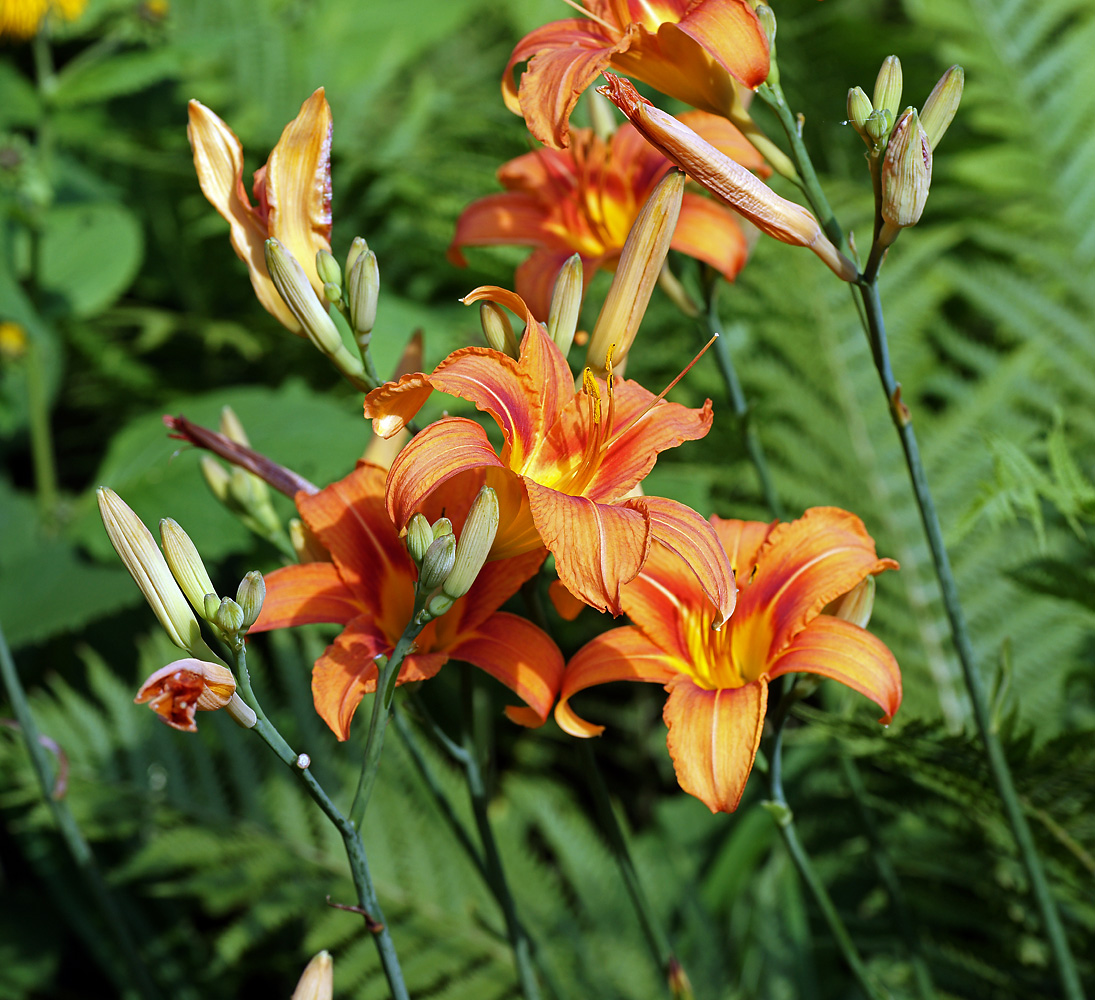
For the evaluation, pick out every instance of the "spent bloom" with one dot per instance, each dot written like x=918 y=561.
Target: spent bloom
x=789 y=618
x=292 y=191
x=180 y=689
x=584 y=199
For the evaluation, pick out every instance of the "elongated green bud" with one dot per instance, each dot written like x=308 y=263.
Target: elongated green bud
x=212 y=604
x=357 y=248
x=250 y=595
x=474 y=545
x=327 y=268
x=232 y=427
x=297 y=292
x=419 y=538
x=437 y=563
x=498 y=330
x=859 y=110
x=942 y=103
x=887 y=88
x=216 y=477
x=229 y=616
x=363 y=290
x=186 y=564
x=138 y=550
x=566 y=304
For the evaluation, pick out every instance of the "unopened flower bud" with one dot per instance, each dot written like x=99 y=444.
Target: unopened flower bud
x=317 y=981
x=211 y=602
x=856 y=605
x=566 y=303
x=186 y=564
x=327 y=268
x=640 y=264
x=228 y=617
x=498 y=330
x=887 y=88
x=878 y=126
x=297 y=293
x=474 y=545
x=232 y=427
x=250 y=595
x=767 y=18
x=906 y=172
x=437 y=563
x=859 y=110
x=442 y=526
x=419 y=538
x=363 y=292
x=216 y=477
x=305 y=543
x=438 y=605
x=942 y=103
x=332 y=292
x=357 y=248
x=138 y=550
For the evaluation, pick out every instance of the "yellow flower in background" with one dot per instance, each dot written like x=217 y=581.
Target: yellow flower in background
x=13 y=341
x=22 y=19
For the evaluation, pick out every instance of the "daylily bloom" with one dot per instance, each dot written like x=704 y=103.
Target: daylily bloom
x=568 y=463
x=584 y=199
x=699 y=51
x=726 y=179
x=180 y=689
x=293 y=191
x=368 y=587
x=788 y=575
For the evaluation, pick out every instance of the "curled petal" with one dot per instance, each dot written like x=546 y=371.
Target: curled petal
x=621 y=654
x=832 y=647
x=521 y=656
x=713 y=738
x=393 y=405
x=186 y=686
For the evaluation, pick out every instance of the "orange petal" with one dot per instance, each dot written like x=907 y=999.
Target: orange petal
x=741 y=540
x=445 y=449
x=709 y=232
x=731 y=33
x=805 y=564
x=346 y=672
x=566 y=605
x=621 y=654
x=306 y=595
x=524 y=658
x=298 y=186
x=218 y=159
x=597 y=547
x=511 y=217
x=564 y=58
x=350 y=519
x=847 y=653
x=713 y=738
x=683 y=531
x=393 y=405
x=496 y=583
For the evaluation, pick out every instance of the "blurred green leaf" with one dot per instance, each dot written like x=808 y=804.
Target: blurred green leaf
x=84 y=82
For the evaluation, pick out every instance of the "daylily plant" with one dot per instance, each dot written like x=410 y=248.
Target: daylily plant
x=568 y=462
x=790 y=578
x=368 y=587
x=585 y=198
x=699 y=51
x=292 y=189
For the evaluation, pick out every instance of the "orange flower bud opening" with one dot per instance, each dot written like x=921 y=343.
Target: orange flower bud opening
x=186 y=686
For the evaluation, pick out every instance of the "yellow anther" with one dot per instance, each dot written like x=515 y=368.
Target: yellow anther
x=589 y=384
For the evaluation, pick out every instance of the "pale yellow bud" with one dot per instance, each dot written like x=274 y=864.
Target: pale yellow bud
x=296 y=291
x=566 y=303
x=437 y=563
x=363 y=292
x=357 y=248
x=216 y=477
x=887 y=88
x=305 y=543
x=232 y=428
x=498 y=330
x=942 y=103
x=640 y=264
x=474 y=545
x=249 y=596
x=317 y=981
x=856 y=605
x=906 y=172
x=186 y=564
x=419 y=538
x=859 y=110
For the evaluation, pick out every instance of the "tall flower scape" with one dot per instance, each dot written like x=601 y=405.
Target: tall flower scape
x=432 y=557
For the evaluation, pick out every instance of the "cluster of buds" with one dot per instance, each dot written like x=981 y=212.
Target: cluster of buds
x=169 y=580
x=356 y=297
x=901 y=145
x=447 y=568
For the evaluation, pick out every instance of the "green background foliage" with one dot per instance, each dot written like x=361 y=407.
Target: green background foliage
x=135 y=306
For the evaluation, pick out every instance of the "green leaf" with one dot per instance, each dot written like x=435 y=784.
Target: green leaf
x=115 y=76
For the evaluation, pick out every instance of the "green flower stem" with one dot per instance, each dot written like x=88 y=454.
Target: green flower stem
x=74 y=841
x=351 y=836
x=657 y=940
x=784 y=818
x=378 y=722
x=41 y=435
x=738 y=403
x=998 y=764
x=496 y=875
x=909 y=931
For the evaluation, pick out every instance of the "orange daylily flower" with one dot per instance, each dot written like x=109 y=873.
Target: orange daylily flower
x=698 y=51
x=568 y=463
x=368 y=587
x=585 y=198
x=718 y=681
x=293 y=191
